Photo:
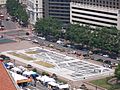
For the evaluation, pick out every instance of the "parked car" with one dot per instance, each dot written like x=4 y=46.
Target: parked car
x=29 y=66
x=2 y=27
x=8 y=18
x=35 y=41
x=43 y=38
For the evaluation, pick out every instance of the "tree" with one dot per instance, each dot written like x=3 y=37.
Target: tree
x=117 y=72
x=48 y=26
x=14 y=8
x=54 y=76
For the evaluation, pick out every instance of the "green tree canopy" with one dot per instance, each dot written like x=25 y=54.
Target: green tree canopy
x=14 y=8
x=48 y=26
x=117 y=72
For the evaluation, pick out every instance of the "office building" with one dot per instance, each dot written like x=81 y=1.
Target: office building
x=2 y=2
x=95 y=12
x=59 y=9
x=35 y=10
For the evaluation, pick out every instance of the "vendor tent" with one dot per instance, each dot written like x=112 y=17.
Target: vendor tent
x=45 y=79
x=15 y=69
x=38 y=78
x=63 y=86
x=19 y=78
x=54 y=84
x=30 y=73
x=10 y=64
x=22 y=68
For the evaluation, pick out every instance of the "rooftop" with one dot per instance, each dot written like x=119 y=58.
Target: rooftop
x=6 y=82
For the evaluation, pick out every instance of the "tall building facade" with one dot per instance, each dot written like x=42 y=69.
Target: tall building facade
x=95 y=12
x=35 y=10
x=59 y=9
x=2 y=2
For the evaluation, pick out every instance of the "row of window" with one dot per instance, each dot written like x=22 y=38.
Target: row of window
x=56 y=14
x=104 y=3
x=103 y=12
x=61 y=11
x=93 y=20
x=86 y=14
x=80 y=22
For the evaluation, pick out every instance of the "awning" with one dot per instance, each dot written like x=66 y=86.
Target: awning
x=25 y=80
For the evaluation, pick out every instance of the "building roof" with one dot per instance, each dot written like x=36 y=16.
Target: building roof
x=6 y=82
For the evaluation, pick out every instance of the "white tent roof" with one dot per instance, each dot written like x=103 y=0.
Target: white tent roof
x=22 y=68
x=49 y=80
x=10 y=64
x=16 y=69
x=28 y=73
x=43 y=78
x=17 y=76
x=53 y=84
x=31 y=72
x=63 y=86
x=38 y=78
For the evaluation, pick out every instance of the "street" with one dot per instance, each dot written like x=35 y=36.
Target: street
x=67 y=49
x=7 y=24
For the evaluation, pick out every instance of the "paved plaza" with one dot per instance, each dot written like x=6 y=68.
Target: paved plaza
x=62 y=65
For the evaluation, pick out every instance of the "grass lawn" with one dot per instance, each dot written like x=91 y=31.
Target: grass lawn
x=23 y=56
x=45 y=64
x=103 y=83
x=32 y=52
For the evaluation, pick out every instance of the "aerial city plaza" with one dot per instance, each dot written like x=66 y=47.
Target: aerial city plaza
x=62 y=65
x=59 y=44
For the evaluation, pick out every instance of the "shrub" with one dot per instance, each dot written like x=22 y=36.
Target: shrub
x=34 y=70
x=45 y=73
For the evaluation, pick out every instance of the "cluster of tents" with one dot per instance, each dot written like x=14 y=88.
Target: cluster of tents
x=51 y=83
x=22 y=75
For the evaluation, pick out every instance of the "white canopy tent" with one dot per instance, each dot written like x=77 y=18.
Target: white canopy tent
x=38 y=78
x=15 y=69
x=46 y=79
x=22 y=68
x=17 y=76
x=28 y=73
x=10 y=64
x=54 y=84
x=63 y=86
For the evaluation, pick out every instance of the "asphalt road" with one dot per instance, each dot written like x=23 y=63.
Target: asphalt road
x=7 y=24
x=95 y=56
